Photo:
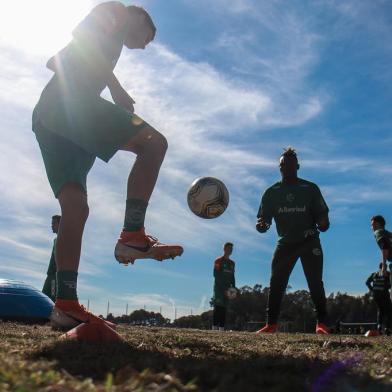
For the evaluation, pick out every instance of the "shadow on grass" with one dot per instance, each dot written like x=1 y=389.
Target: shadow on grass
x=211 y=370
x=352 y=344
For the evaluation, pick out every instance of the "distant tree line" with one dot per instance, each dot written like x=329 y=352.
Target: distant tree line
x=247 y=312
x=140 y=317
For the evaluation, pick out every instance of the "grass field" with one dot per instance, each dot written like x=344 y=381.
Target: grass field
x=32 y=358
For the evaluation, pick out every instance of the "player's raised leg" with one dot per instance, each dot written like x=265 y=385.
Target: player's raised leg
x=150 y=147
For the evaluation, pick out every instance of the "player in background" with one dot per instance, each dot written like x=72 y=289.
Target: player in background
x=390 y=280
x=49 y=288
x=224 y=279
x=73 y=125
x=379 y=285
x=383 y=238
x=300 y=213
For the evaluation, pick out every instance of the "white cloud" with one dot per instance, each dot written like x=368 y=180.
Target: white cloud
x=281 y=48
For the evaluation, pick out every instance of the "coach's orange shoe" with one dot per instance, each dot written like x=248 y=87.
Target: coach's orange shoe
x=68 y=314
x=134 y=245
x=268 y=328
x=322 y=329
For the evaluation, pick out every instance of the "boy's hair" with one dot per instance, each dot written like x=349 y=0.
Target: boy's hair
x=56 y=217
x=379 y=219
x=289 y=152
x=133 y=9
x=227 y=244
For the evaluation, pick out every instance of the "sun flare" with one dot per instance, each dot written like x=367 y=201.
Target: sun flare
x=41 y=26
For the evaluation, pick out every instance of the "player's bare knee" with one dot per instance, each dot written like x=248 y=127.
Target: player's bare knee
x=83 y=211
x=155 y=144
x=73 y=202
x=160 y=144
x=75 y=209
x=81 y=208
x=147 y=141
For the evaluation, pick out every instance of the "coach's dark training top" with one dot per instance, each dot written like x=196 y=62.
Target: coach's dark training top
x=295 y=208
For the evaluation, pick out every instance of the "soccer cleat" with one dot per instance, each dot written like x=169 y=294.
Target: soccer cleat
x=68 y=314
x=322 y=329
x=139 y=245
x=268 y=328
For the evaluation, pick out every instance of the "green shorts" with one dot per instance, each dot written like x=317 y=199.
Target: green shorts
x=73 y=129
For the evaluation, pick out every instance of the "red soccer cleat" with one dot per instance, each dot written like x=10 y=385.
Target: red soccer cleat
x=268 y=328
x=68 y=314
x=92 y=332
x=322 y=329
x=134 y=245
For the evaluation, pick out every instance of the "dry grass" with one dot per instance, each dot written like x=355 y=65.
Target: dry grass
x=162 y=359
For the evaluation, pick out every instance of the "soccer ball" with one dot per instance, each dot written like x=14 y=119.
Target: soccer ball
x=231 y=293
x=208 y=197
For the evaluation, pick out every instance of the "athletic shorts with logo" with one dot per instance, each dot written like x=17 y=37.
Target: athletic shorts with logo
x=73 y=126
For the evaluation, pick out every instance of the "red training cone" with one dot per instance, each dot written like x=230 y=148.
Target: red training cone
x=92 y=332
x=372 y=332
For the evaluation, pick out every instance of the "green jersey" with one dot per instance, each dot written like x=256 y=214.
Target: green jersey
x=97 y=44
x=224 y=279
x=384 y=241
x=295 y=208
x=71 y=107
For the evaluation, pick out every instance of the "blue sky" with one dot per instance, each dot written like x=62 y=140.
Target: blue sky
x=230 y=86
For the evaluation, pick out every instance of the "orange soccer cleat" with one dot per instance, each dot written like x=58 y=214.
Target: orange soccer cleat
x=322 y=329
x=68 y=314
x=139 y=245
x=268 y=328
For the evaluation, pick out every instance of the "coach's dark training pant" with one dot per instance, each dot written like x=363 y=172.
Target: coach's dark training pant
x=283 y=262
x=384 y=313
x=219 y=316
